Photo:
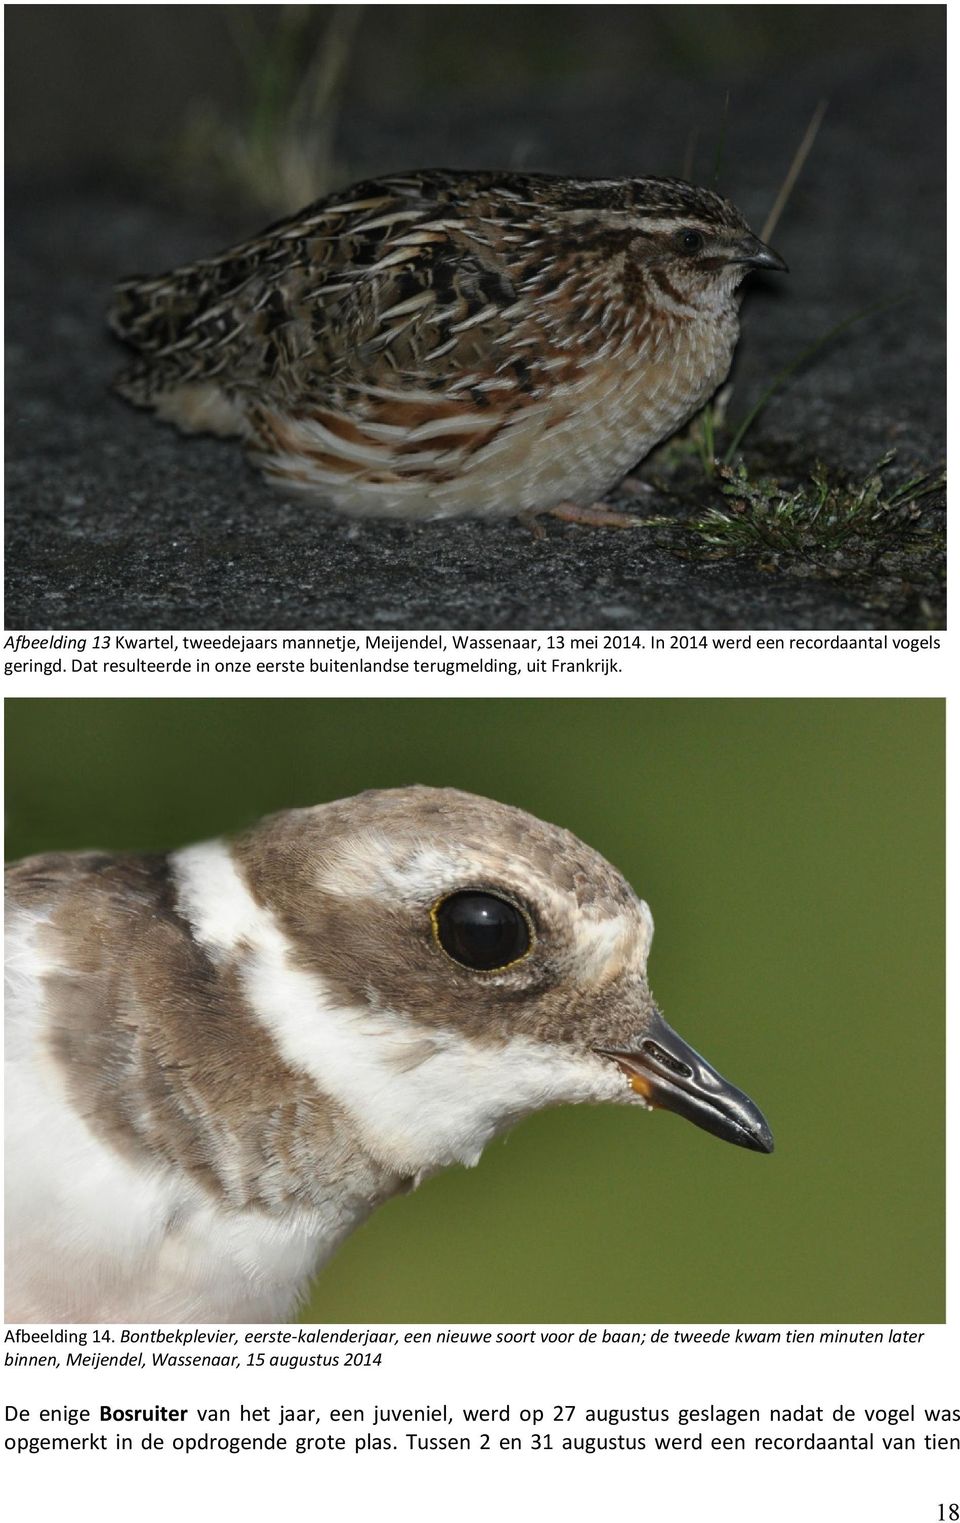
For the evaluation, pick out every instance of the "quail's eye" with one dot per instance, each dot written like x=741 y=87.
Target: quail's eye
x=688 y=240
x=481 y=931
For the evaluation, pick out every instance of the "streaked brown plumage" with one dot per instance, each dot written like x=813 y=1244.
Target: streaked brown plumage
x=443 y=344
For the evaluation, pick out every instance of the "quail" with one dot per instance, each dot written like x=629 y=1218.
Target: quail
x=444 y=344
x=220 y=1060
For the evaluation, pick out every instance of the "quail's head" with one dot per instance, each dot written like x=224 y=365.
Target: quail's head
x=680 y=246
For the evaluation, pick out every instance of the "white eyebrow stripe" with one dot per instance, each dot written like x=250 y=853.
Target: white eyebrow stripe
x=606 y=947
x=650 y=227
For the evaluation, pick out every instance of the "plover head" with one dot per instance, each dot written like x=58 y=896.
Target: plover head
x=222 y=1059
x=486 y=964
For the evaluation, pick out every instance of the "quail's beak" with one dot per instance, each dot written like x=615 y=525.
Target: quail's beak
x=670 y=1076
x=756 y=255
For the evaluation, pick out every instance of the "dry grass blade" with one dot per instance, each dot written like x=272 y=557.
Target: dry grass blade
x=799 y=159
x=722 y=141
x=317 y=97
x=689 y=156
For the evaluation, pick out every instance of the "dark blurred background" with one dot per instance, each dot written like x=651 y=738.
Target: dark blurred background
x=98 y=87
x=792 y=854
x=140 y=137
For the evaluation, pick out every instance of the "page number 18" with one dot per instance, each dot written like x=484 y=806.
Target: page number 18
x=949 y=1512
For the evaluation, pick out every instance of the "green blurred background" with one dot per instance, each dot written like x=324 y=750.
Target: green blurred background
x=792 y=853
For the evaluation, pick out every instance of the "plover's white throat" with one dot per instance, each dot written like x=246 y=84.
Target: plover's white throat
x=219 y=1061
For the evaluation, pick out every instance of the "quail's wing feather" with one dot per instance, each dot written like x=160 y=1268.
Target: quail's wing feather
x=398 y=282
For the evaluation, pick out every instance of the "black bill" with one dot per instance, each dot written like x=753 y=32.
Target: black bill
x=670 y=1076
x=757 y=255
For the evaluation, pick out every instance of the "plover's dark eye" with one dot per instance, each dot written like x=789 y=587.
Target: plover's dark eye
x=480 y=931
x=688 y=240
